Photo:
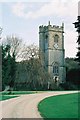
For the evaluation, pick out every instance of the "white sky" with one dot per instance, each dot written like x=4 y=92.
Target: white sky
x=23 y=18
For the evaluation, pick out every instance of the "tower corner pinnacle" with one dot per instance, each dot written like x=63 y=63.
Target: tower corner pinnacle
x=49 y=23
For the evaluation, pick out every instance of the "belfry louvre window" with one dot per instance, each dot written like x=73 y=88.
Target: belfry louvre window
x=55 y=69
x=56 y=37
x=46 y=41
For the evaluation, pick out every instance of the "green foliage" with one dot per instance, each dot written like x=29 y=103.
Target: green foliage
x=78 y=54
x=6 y=64
x=62 y=106
x=77 y=26
x=70 y=63
x=72 y=74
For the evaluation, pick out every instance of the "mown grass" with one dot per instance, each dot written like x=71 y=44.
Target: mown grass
x=62 y=106
x=5 y=97
x=17 y=92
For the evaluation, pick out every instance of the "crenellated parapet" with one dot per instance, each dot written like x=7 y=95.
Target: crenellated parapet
x=51 y=28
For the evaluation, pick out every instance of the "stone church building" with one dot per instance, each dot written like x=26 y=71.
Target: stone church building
x=51 y=44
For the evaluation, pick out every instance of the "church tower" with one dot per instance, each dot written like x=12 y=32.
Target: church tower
x=51 y=44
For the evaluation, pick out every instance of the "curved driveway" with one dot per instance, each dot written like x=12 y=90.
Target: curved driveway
x=25 y=106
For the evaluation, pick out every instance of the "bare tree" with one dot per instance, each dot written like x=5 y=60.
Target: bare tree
x=15 y=46
x=30 y=51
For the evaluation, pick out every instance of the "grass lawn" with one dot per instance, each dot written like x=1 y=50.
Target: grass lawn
x=18 y=92
x=62 y=106
x=5 y=97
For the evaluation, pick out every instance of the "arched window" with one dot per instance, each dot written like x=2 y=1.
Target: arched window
x=56 y=37
x=55 y=68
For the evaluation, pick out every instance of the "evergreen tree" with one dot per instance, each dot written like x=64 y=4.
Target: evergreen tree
x=77 y=26
x=6 y=65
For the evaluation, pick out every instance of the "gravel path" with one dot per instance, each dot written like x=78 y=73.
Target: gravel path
x=25 y=106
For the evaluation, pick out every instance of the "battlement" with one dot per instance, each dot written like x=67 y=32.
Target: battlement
x=51 y=28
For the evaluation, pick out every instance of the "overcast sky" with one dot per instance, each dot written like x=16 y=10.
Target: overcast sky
x=23 y=18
